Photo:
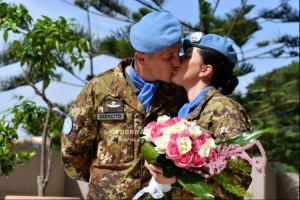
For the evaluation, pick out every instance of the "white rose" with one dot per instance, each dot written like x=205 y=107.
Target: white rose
x=184 y=144
x=211 y=143
x=179 y=127
x=162 y=119
x=195 y=131
x=204 y=150
x=167 y=130
x=161 y=144
x=176 y=128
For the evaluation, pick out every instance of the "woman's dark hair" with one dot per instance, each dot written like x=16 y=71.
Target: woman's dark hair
x=223 y=78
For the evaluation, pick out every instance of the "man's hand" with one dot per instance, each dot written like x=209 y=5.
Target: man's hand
x=157 y=174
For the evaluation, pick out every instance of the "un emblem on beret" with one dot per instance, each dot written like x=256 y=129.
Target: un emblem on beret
x=196 y=37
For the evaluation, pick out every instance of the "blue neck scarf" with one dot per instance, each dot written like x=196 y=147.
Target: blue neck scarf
x=148 y=89
x=189 y=107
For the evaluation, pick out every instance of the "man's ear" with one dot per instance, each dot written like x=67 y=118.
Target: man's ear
x=140 y=57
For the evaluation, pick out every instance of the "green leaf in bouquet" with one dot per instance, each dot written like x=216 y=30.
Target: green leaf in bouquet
x=244 y=138
x=150 y=154
x=195 y=184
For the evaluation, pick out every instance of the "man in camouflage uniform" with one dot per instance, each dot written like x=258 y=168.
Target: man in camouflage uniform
x=101 y=135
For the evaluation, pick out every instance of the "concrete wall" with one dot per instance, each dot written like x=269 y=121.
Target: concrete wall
x=23 y=182
x=263 y=187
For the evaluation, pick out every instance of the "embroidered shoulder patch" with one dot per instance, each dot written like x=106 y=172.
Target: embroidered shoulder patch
x=68 y=125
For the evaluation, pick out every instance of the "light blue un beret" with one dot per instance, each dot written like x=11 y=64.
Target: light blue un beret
x=212 y=42
x=155 y=32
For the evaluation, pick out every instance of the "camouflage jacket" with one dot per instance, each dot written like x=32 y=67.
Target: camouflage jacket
x=223 y=117
x=103 y=147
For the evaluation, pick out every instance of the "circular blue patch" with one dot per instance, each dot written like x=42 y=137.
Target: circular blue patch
x=68 y=125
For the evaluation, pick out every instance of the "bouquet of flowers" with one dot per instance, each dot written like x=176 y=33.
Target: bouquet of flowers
x=182 y=148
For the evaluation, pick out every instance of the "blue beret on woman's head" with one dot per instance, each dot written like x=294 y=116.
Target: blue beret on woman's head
x=212 y=42
x=155 y=32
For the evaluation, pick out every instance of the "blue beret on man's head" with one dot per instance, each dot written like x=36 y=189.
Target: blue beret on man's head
x=155 y=32
x=211 y=42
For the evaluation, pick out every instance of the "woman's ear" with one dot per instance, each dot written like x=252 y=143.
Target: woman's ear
x=209 y=69
x=140 y=57
x=206 y=70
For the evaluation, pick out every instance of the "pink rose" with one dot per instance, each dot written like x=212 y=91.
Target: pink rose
x=155 y=133
x=197 y=143
x=172 y=151
x=197 y=161
x=173 y=137
x=212 y=154
x=185 y=160
x=172 y=121
x=151 y=125
x=205 y=134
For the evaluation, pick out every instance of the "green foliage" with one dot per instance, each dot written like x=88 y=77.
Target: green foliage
x=117 y=44
x=284 y=13
x=30 y=116
x=243 y=69
x=272 y=101
x=205 y=16
x=136 y=16
x=47 y=39
x=31 y=119
x=239 y=164
x=236 y=25
x=44 y=44
x=244 y=138
x=226 y=182
x=195 y=184
x=109 y=7
x=12 y=17
x=9 y=158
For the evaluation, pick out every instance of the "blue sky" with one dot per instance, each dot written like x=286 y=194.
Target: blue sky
x=101 y=26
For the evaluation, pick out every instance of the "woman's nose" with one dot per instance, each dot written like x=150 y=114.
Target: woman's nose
x=177 y=61
x=181 y=58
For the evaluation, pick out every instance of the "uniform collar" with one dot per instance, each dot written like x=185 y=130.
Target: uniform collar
x=208 y=95
x=120 y=88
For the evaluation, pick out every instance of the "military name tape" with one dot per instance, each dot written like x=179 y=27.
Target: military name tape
x=110 y=116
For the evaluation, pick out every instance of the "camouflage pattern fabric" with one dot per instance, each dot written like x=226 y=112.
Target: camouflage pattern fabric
x=106 y=153
x=224 y=118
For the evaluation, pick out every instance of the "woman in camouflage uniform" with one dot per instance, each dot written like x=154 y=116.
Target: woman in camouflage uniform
x=101 y=135
x=206 y=73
